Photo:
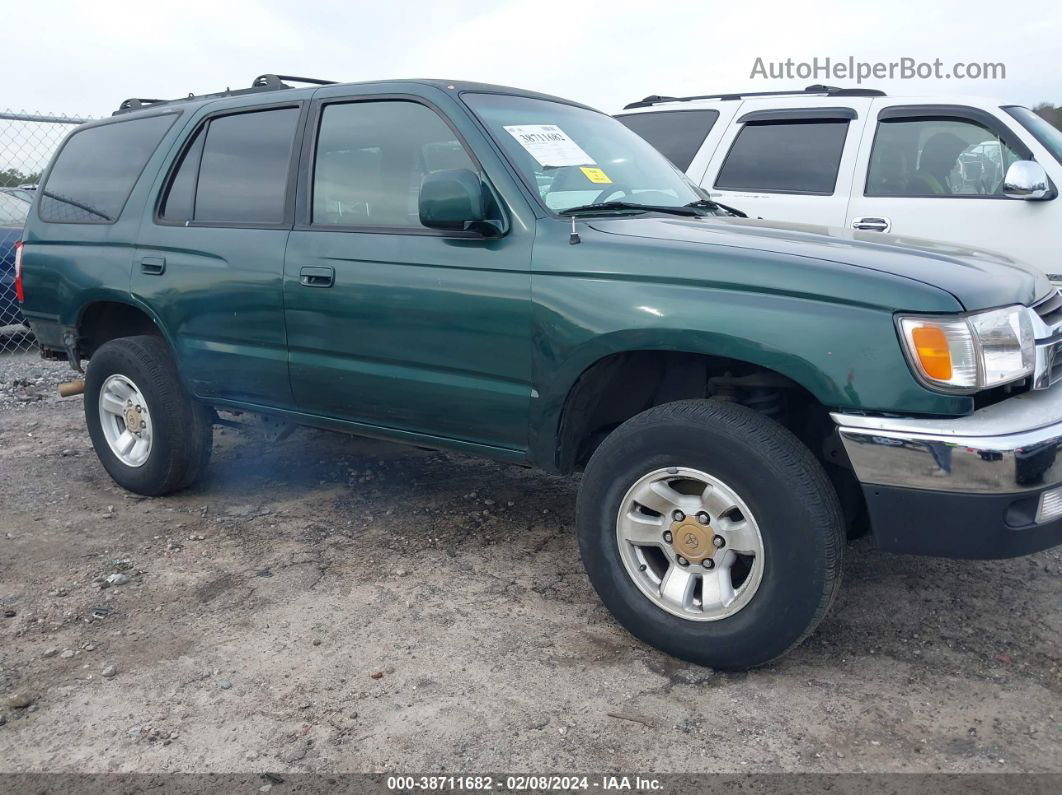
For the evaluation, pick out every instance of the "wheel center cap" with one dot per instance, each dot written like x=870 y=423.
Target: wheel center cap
x=133 y=420
x=692 y=540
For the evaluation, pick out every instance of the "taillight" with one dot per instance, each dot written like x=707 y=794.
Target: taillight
x=18 y=272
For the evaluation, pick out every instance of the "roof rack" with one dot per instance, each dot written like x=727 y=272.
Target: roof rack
x=829 y=91
x=268 y=82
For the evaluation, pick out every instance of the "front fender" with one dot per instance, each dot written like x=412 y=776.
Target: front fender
x=847 y=356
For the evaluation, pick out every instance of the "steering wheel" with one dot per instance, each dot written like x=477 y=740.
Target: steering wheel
x=609 y=192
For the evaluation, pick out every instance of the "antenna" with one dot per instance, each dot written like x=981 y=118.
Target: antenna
x=574 y=238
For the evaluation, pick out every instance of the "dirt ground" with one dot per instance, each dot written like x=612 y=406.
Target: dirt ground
x=326 y=603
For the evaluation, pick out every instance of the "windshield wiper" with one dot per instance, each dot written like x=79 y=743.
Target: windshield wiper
x=689 y=212
x=709 y=204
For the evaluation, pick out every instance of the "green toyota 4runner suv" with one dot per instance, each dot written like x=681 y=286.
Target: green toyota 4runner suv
x=513 y=275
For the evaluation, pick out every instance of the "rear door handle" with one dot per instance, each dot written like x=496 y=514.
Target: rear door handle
x=872 y=224
x=315 y=276
x=153 y=266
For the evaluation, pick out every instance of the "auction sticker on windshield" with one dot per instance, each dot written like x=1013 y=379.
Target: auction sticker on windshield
x=549 y=145
x=596 y=175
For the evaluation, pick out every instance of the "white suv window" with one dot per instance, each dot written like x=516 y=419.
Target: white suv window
x=785 y=157
x=937 y=157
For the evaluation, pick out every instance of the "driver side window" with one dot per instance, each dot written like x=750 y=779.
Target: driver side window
x=936 y=158
x=371 y=158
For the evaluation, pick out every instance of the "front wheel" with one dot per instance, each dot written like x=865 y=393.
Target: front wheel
x=151 y=436
x=711 y=533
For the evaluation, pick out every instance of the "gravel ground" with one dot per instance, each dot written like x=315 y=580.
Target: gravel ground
x=327 y=603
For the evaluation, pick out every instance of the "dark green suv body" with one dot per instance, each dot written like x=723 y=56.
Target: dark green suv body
x=513 y=275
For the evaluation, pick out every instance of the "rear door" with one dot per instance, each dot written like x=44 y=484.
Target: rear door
x=936 y=171
x=210 y=259
x=391 y=324
x=789 y=160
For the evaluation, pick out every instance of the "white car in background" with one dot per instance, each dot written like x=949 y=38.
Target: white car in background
x=975 y=172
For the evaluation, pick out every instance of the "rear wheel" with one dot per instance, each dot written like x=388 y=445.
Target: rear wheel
x=711 y=532
x=151 y=436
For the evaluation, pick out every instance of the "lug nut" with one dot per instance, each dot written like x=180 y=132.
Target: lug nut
x=719 y=542
x=682 y=561
x=667 y=536
x=708 y=563
x=678 y=516
x=702 y=517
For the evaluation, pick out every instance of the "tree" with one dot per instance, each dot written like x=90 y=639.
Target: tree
x=1049 y=113
x=12 y=178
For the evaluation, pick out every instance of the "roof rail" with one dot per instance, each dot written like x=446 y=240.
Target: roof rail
x=829 y=91
x=278 y=81
x=267 y=82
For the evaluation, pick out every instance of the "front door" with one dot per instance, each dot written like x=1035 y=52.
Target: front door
x=937 y=173
x=391 y=324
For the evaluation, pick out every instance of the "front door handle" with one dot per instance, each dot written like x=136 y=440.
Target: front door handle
x=314 y=276
x=872 y=224
x=153 y=266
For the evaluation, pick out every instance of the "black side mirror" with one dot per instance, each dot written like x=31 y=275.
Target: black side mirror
x=455 y=200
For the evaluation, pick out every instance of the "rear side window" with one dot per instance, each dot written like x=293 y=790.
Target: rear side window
x=676 y=134
x=235 y=170
x=96 y=169
x=785 y=157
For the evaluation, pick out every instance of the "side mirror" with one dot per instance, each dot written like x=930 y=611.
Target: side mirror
x=1027 y=180
x=453 y=199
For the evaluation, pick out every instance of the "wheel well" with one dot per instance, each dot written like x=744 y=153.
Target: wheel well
x=108 y=320
x=618 y=387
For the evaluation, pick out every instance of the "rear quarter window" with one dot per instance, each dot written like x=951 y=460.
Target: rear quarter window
x=96 y=169
x=676 y=134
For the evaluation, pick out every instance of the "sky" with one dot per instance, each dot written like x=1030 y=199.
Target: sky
x=84 y=58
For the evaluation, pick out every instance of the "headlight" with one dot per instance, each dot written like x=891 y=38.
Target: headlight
x=970 y=352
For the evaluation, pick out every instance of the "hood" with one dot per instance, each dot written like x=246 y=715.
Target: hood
x=977 y=279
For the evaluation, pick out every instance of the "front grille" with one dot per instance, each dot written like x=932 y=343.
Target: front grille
x=1050 y=309
x=1049 y=344
x=1054 y=364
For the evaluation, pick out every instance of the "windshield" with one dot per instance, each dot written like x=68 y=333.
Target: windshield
x=574 y=157
x=13 y=208
x=1042 y=130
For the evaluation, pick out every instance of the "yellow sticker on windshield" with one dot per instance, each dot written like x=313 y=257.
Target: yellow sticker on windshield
x=596 y=175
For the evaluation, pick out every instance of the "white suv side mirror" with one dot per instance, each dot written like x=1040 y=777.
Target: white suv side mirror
x=1027 y=180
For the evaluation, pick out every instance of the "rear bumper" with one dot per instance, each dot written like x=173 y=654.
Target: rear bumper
x=47 y=330
x=981 y=486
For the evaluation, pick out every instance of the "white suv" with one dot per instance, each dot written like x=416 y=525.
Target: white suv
x=970 y=171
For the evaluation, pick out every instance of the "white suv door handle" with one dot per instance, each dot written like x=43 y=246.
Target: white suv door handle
x=872 y=224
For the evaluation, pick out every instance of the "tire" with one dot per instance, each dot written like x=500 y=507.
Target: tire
x=180 y=428
x=793 y=507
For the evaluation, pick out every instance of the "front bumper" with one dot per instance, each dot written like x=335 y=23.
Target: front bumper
x=980 y=486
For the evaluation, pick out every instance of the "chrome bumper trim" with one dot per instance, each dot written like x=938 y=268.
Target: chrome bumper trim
x=1008 y=448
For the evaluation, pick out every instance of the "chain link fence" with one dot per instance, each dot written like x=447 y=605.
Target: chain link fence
x=27 y=142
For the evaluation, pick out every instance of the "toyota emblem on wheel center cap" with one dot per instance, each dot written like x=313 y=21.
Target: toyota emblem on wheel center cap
x=692 y=540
